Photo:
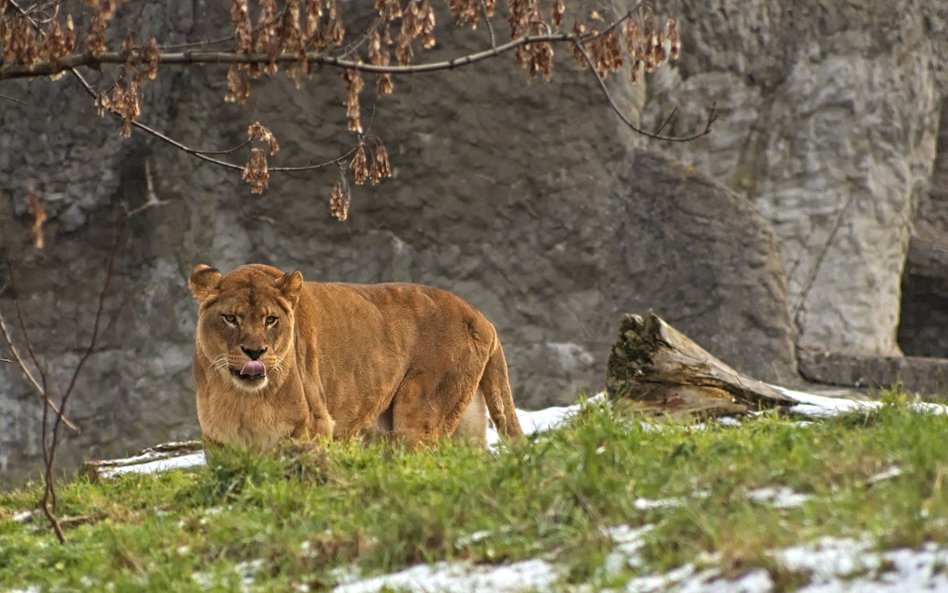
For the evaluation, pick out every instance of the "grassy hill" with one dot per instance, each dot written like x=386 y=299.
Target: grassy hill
x=606 y=502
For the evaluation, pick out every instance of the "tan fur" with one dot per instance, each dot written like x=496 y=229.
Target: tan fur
x=343 y=360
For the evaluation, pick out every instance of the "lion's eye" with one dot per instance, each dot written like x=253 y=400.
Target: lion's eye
x=230 y=319
x=271 y=320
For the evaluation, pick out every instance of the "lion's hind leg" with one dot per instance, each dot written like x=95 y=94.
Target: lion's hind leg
x=473 y=426
x=426 y=408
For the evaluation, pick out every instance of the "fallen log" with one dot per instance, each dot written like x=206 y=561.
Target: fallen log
x=181 y=454
x=655 y=369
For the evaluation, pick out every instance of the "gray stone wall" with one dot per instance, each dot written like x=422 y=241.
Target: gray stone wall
x=528 y=199
x=825 y=106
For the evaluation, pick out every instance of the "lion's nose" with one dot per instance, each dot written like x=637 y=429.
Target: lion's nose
x=254 y=354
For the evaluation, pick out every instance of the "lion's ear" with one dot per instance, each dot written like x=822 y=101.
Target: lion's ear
x=203 y=282
x=290 y=286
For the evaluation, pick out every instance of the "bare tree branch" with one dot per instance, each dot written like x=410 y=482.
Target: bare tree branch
x=48 y=502
x=656 y=135
x=189 y=57
x=599 y=49
x=203 y=154
x=28 y=374
x=200 y=154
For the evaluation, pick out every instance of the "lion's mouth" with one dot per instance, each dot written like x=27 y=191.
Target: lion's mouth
x=253 y=371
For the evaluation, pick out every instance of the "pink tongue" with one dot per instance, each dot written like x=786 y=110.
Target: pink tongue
x=253 y=368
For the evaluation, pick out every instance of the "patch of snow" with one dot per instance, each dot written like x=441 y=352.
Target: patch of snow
x=472 y=538
x=24 y=516
x=811 y=404
x=158 y=465
x=458 y=577
x=538 y=420
x=645 y=504
x=204 y=580
x=779 y=497
x=886 y=474
x=687 y=579
x=628 y=541
x=843 y=565
x=247 y=571
x=829 y=557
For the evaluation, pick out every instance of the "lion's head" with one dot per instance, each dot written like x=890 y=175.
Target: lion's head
x=245 y=322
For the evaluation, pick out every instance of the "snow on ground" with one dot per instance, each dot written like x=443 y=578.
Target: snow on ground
x=459 y=577
x=836 y=565
x=811 y=404
x=847 y=565
x=779 y=497
x=833 y=565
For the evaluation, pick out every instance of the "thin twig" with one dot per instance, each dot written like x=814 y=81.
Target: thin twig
x=490 y=26
x=712 y=113
x=229 y=150
x=29 y=343
x=151 y=198
x=13 y=99
x=671 y=116
x=29 y=375
x=48 y=502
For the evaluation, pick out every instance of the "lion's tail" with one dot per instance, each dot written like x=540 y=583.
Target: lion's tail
x=495 y=386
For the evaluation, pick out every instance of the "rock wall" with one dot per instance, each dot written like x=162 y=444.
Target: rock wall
x=829 y=118
x=529 y=200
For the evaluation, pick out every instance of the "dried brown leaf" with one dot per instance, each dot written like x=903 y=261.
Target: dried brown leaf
x=256 y=172
x=358 y=166
x=238 y=84
x=339 y=202
x=354 y=84
x=261 y=133
x=150 y=56
x=38 y=211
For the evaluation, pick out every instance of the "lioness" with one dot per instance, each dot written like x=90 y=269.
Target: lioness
x=276 y=357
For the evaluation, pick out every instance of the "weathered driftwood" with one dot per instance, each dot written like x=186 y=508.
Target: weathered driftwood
x=656 y=369
x=159 y=457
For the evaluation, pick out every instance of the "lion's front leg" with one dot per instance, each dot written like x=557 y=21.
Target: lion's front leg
x=324 y=426
x=319 y=422
x=314 y=426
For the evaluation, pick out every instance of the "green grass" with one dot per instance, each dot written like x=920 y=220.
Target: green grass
x=290 y=518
